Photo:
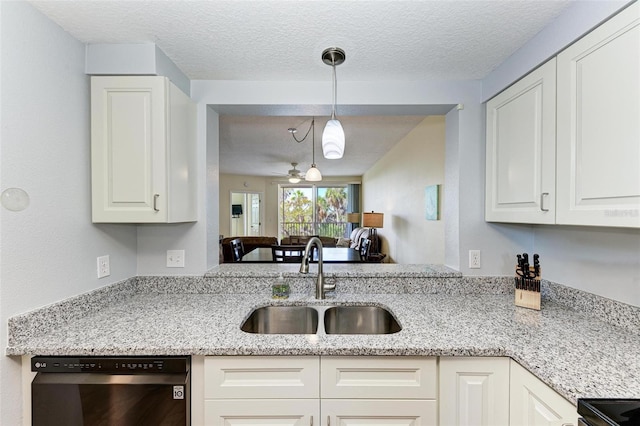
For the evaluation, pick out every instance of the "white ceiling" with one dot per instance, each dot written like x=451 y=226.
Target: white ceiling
x=273 y=40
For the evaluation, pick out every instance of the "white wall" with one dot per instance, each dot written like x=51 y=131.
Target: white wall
x=395 y=186
x=48 y=251
x=211 y=189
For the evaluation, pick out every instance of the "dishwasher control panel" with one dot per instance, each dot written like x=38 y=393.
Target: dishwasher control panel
x=110 y=365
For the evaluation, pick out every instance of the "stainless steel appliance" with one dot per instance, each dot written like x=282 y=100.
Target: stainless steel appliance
x=609 y=412
x=122 y=391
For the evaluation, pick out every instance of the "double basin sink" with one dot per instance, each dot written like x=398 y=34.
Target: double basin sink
x=335 y=320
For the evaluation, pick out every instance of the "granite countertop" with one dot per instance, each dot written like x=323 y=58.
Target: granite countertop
x=575 y=354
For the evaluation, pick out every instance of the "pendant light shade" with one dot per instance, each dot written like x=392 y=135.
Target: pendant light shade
x=313 y=174
x=333 y=140
x=333 y=135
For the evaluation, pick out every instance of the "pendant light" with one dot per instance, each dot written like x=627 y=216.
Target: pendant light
x=313 y=174
x=333 y=135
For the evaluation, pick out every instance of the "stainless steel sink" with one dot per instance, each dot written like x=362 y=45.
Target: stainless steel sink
x=359 y=320
x=335 y=320
x=282 y=320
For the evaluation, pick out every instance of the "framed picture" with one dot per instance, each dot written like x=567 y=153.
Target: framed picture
x=431 y=205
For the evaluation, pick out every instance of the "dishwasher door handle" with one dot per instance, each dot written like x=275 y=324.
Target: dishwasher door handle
x=110 y=379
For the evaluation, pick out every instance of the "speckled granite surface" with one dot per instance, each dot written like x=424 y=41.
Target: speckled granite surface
x=335 y=269
x=576 y=354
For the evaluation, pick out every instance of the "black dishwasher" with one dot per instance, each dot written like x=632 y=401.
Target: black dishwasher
x=122 y=391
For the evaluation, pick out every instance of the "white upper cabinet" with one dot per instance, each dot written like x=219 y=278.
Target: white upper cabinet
x=142 y=151
x=521 y=139
x=599 y=125
x=563 y=143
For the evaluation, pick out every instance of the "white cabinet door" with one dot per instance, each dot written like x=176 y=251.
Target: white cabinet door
x=599 y=125
x=281 y=412
x=533 y=403
x=142 y=151
x=520 y=150
x=347 y=412
x=474 y=391
x=261 y=377
x=379 y=377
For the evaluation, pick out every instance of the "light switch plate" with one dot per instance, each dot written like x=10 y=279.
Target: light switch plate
x=175 y=258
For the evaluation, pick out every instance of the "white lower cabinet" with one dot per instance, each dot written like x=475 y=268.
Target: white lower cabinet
x=379 y=390
x=474 y=391
x=376 y=390
x=533 y=403
x=286 y=391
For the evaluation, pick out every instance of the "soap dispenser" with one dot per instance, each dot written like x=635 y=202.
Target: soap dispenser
x=280 y=290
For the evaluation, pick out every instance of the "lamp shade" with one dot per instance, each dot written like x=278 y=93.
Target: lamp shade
x=333 y=140
x=353 y=217
x=313 y=174
x=372 y=220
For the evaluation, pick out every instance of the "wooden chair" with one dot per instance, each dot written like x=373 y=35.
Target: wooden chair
x=287 y=253
x=365 y=246
x=237 y=249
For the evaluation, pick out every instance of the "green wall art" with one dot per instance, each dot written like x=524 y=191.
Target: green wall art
x=431 y=206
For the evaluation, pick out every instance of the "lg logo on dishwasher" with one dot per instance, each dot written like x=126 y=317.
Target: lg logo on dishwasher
x=178 y=392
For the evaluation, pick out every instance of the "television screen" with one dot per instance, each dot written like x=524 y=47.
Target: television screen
x=236 y=209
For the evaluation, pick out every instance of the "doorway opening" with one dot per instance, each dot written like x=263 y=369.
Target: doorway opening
x=246 y=214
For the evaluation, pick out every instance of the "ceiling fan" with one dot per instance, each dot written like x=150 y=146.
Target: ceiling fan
x=294 y=175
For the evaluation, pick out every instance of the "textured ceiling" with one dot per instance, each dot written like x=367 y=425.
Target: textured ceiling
x=277 y=40
x=282 y=40
x=273 y=149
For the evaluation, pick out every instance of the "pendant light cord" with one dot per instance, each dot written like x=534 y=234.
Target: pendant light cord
x=313 y=138
x=313 y=142
x=305 y=135
x=335 y=91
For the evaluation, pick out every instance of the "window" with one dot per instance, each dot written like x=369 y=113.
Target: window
x=313 y=210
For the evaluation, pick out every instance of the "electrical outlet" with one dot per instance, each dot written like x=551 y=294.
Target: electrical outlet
x=474 y=259
x=104 y=270
x=175 y=258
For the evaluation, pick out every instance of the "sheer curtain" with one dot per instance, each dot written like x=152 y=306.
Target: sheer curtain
x=353 y=199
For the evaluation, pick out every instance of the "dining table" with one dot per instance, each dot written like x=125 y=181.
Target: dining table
x=329 y=255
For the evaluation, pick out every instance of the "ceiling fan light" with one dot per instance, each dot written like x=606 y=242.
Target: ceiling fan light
x=333 y=140
x=293 y=179
x=313 y=174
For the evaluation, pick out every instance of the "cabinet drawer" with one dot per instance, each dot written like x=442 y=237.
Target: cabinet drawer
x=230 y=377
x=379 y=377
x=400 y=412
x=285 y=412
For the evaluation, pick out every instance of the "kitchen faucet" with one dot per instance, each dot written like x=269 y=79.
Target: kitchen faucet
x=321 y=287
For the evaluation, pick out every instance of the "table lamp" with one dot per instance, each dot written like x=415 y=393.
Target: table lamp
x=353 y=219
x=373 y=221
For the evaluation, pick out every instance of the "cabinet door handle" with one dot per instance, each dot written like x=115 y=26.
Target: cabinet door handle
x=311 y=421
x=542 y=201
x=155 y=202
x=328 y=420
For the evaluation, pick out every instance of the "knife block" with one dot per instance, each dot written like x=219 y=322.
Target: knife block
x=528 y=291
